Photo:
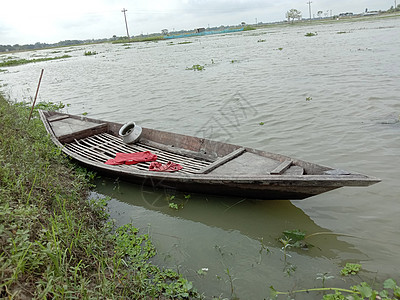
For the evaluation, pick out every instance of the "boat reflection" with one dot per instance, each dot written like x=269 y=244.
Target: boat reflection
x=260 y=220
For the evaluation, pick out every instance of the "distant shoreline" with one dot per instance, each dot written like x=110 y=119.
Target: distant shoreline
x=8 y=49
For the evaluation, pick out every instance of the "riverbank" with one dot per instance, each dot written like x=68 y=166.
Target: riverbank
x=55 y=243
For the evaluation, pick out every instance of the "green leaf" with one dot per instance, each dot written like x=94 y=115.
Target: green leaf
x=364 y=289
x=295 y=235
x=396 y=292
x=272 y=292
x=389 y=284
x=336 y=296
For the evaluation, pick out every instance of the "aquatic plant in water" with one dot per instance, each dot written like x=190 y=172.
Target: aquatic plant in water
x=88 y=53
x=357 y=292
x=196 y=68
x=173 y=205
x=296 y=238
x=350 y=269
x=311 y=34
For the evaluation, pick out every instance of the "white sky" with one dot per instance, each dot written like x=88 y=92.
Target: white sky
x=49 y=21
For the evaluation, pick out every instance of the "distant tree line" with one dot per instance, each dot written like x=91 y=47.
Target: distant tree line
x=394 y=9
x=17 y=47
x=294 y=14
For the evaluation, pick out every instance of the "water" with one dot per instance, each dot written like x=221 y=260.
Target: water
x=332 y=99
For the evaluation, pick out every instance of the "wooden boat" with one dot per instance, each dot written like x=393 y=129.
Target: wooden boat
x=209 y=167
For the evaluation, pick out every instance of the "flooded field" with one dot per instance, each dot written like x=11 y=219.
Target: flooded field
x=332 y=98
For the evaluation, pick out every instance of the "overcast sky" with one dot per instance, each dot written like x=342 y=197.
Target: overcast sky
x=49 y=21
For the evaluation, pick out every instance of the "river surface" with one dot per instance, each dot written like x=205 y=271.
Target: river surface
x=332 y=98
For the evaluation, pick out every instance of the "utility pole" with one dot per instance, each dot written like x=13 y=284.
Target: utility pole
x=309 y=8
x=126 y=24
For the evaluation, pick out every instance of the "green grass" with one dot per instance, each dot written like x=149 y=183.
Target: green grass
x=248 y=27
x=54 y=242
x=140 y=39
x=17 y=62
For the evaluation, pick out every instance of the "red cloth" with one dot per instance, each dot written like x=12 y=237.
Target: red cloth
x=131 y=158
x=168 y=167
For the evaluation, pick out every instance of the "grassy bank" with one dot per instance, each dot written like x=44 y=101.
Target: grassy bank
x=54 y=242
x=17 y=62
x=140 y=39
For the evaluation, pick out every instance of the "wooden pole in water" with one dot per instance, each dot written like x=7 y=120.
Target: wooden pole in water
x=37 y=91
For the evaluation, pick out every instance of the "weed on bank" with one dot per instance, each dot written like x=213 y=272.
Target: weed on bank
x=53 y=242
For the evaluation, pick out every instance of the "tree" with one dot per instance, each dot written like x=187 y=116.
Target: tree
x=293 y=14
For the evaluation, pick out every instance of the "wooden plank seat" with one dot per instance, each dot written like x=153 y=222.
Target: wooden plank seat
x=281 y=167
x=222 y=160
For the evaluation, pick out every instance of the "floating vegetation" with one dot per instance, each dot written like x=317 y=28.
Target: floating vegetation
x=350 y=269
x=261 y=41
x=311 y=34
x=296 y=237
x=308 y=98
x=88 y=53
x=234 y=61
x=261 y=123
x=361 y=291
x=341 y=32
x=173 y=205
x=196 y=68
x=139 y=249
x=176 y=203
x=202 y=271
x=280 y=49
x=17 y=62
x=186 y=42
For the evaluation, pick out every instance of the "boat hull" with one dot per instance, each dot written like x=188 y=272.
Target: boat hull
x=209 y=167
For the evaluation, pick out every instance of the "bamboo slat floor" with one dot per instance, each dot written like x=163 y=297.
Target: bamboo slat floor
x=104 y=146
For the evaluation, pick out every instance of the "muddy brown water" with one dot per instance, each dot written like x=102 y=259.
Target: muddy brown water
x=333 y=99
